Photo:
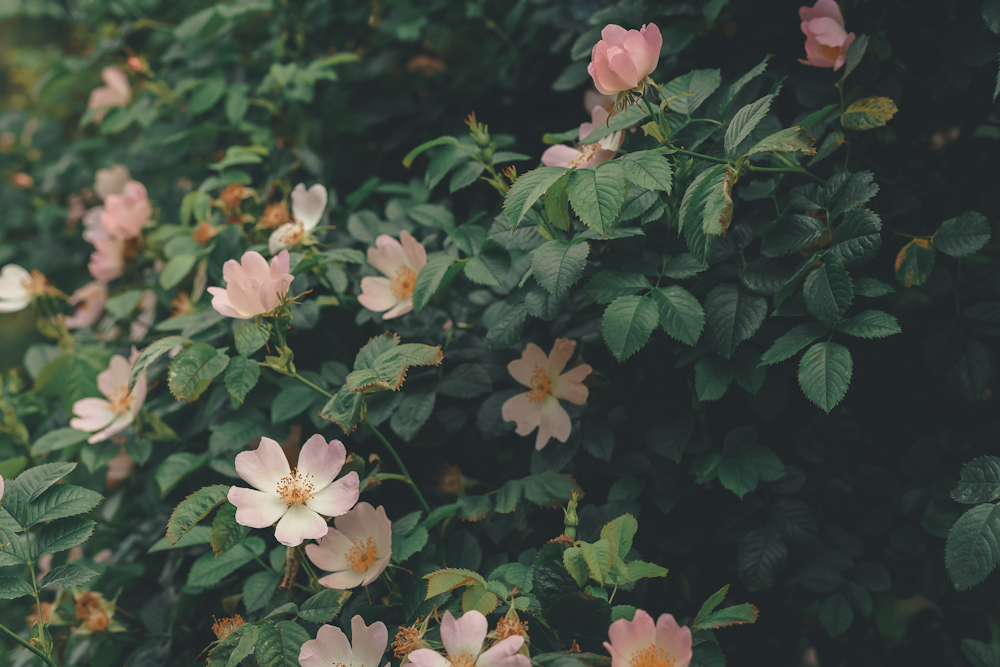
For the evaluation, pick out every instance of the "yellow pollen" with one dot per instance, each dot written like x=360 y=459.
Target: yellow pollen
x=120 y=400
x=362 y=555
x=463 y=660
x=404 y=282
x=587 y=152
x=829 y=52
x=225 y=626
x=406 y=641
x=296 y=488
x=654 y=656
x=541 y=385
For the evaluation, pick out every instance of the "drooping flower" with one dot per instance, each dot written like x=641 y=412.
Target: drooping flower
x=307 y=211
x=115 y=92
x=400 y=262
x=89 y=300
x=118 y=408
x=295 y=498
x=586 y=155
x=252 y=287
x=543 y=375
x=463 y=641
x=623 y=58
x=126 y=214
x=18 y=287
x=640 y=642
x=331 y=646
x=111 y=181
x=357 y=550
x=826 y=40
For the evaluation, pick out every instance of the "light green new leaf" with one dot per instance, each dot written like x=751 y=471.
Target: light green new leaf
x=527 y=189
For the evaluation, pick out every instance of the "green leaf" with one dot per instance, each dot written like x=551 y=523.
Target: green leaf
x=236 y=647
x=973 y=546
x=627 y=323
x=788 y=344
x=557 y=203
x=193 y=509
x=792 y=234
x=429 y=279
x=549 y=489
x=12 y=588
x=712 y=377
x=712 y=602
x=279 y=644
x=726 y=103
x=870 y=324
x=67 y=576
x=871 y=288
x=597 y=194
x=692 y=211
x=789 y=140
x=855 y=53
x=226 y=533
x=963 y=235
x=857 y=238
x=979 y=481
x=210 y=569
x=829 y=292
x=250 y=337
x=152 y=353
x=681 y=315
x=576 y=565
x=557 y=265
x=747 y=369
x=599 y=557
x=241 y=376
x=413 y=411
x=732 y=315
x=873 y=576
x=868 y=113
x=836 y=615
x=507 y=328
x=859 y=598
x=450 y=578
x=440 y=141
x=33 y=482
x=176 y=269
x=649 y=170
x=508 y=497
x=237 y=103
x=404 y=547
x=761 y=558
x=207 y=94
x=489 y=268
x=737 y=614
x=466 y=381
x=60 y=535
x=324 y=606
x=620 y=121
x=619 y=534
x=607 y=286
x=915 y=262
x=857 y=190
x=61 y=501
x=745 y=121
x=700 y=83
x=527 y=189
x=980 y=654
x=259 y=588
x=174 y=468
x=825 y=373
x=479 y=599
x=193 y=369
x=683 y=266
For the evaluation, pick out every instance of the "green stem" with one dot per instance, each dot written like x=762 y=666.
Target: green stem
x=700 y=156
x=308 y=383
x=38 y=599
x=402 y=466
x=789 y=171
x=305 y=561
x=28 y=645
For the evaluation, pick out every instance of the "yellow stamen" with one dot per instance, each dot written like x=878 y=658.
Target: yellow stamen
x=654 y=656
x=120 y=400
x=362 y=555
x=463 y=660
x=404 y=282
x=223 y=627
x=541 y=385
x=829 y=52
x=587 y=152
x=296 y=488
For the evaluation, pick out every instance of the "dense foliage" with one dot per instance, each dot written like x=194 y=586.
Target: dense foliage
x=712 y=345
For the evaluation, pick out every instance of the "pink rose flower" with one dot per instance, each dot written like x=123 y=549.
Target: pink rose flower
x=331 y=646
x=115 y=92
x=111 y=181
x=463 y=643
x=119 y=407
x=400 y=262
x=586 y=155
x=623 y=58
x=252 y=287
x=640 y=642
x=357 y=550
x=119 y=468
x=540 y=408
x=294 y=498
x=75 y=210
x=90 y=300
x=107 y=262
x=826 y=40
x=126 y=214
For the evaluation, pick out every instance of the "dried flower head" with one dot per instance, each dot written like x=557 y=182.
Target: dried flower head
x=232 y=195
x=275 y=215
x=510 y=627
x=225 y=626
x=204 y=232
x=406 y=641
x=449 y=479
x=33 y=618
x=90 y=610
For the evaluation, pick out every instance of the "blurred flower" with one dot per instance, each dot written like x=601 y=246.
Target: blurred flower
x=449 y=479
x=274 y=215
x=307 y=211
x=540 y=407
x=640 y=642
x=102 y=556
x=115 y=92
x=426 y=64
x=111 y=181
x=232 y=195
x=586 y=155
x=204 y=232
x=331 y=646
x=357 y=550
x=90 y=300
x=252 y=287
x=136 y=65
x=463 y=640
x=126 y=214
x=623 y=58
x=592 y=99
x=401 y=262
x=223 y=627
x=147 y=315
x=119 y=468
x=826 y=40
x=76 y=208
x=34 y=616
x=1 y=487
x=21 y=180
x=942 y=138
x=90 y=608
x=107 y=262
x=18 y=287
x=294 y=497
x=119 y=408
x=182 y=305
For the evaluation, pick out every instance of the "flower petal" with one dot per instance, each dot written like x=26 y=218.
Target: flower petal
x=376 y=294
x=401 y=308
x=308 y=205
x=554 y=423
x=329 y=552
x=257 y=509
x=387 y=255
x=336 y=499
x=343 y=579
x=630 y=636
x=504 y=654
x=570 y=387
x=321 y=460
x=92 y=414
x=519 y=409
x=369 y=641
x=425 y=657
x=674 y=639
x=220 y=301
x=299 y=524
x=374 y=571
x=561 y=155
x=416 y=254
x=264 y=467
x=522 y=369
x=330 y=647
x=464 y=636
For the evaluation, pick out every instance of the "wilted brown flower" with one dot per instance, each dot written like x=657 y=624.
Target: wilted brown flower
x=510 y=627
x=225 y=626
x=449 y=479
x=90 y=610
x=32 y=618
x=232 y=195
x=275 y=215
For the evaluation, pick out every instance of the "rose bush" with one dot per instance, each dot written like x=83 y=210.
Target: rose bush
x=299 y=368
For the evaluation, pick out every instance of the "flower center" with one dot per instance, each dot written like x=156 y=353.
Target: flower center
x=362 y=554
x=829 y=52
x=404 y=282
x=225 y=626
x=35 y=284
x=291 y=234
x=406 y=641
x=587 y=152
x=120 y=400
x=463 y=660
x=541 y=385
x=654 y=656
x=296 y=488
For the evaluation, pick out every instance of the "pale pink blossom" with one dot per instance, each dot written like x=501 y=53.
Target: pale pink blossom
x=147 y=315
x=586 y=155
x=1 y=486
x=115 y=92
x=463 y=644
x=76 y=208
x=331 y=646
x=295 y=498
x=252 y=287
x=89 y=300
x=119 y=407
x=400 y=262
x=18 y=287
x=111 y=181
x=640 y=642
x=107 y=262
x=119 y=468
x=307 y=211
x=357 y=550
x=826 y=40
x=623 y=58
x=540 y=408
x=126 y=214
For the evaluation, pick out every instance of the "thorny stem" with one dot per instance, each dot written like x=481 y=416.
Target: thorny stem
x=28 y=645
x=402 y=466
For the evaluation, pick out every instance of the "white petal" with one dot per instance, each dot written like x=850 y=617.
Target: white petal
x=308 y=205
x=299 y=524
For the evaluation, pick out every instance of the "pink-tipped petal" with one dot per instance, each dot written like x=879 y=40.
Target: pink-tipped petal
x=416 y=254
x=376 y=294
x=264 y=467
x=629 y=637
x=257 y=509
x=822 y=8
x=322 y=460
x=255 y=266
x=279 y=265
x=561 y=155
x=369 y=641
x=504 y=654
x=554 y=423
x=336 y=499
x=330 y=647
x=625 y=69
x=298 y=524
x=613 y=34
x=387 y=255
x=651 y=33
x=464 y=636
x=220 y=301
x=675 y=640
x=643 y=57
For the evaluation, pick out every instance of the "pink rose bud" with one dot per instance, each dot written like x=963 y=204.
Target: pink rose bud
x=252 y=287
x=623 y=58
x=115 y=93
x=826 y=40
x=135 y=64
x=126 y=214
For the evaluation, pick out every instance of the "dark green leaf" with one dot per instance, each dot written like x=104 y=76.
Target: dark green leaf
x=324 y=606
x=60 y=535
x=790 y=343
x=761 y=558
x=979 y=481
x=836 y=615
x=732 y=315
x=649 y=170
x=241 y=376
x=557 y=265
x=825 y=373
x=870 y=324
x=528 y=189
x=226 y=533
x=67 y=576
x=597 y=194
x=857 y=238
x=791 y=235
x=627 y=323
x=973 y=546
x=963 y=235
x=193 y=369
x=829 y=292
